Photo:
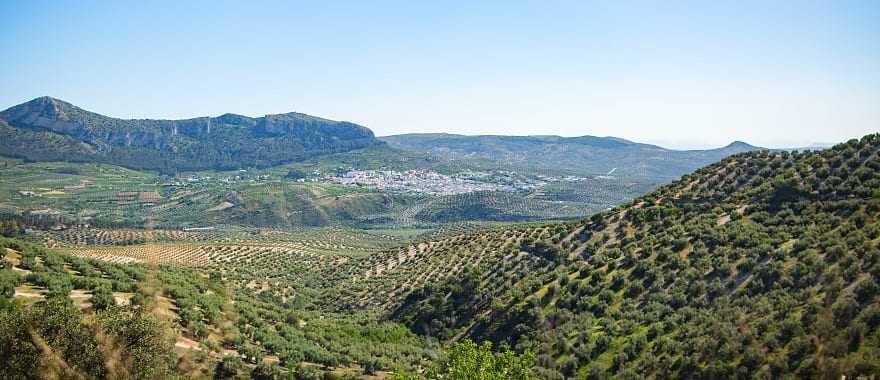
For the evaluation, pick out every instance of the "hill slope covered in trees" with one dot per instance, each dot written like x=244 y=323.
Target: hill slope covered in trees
x=765 y=264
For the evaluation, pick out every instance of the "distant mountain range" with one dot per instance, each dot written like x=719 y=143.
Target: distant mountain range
x=48 y=129
x=588 y=155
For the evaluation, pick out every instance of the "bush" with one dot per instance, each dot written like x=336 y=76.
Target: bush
x=266 y=371
x=120 y=342
x=305 y=372
x=466 y=360
x=102 y=298
x=228 y=368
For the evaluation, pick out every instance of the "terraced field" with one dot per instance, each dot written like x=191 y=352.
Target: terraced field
x=217 y=297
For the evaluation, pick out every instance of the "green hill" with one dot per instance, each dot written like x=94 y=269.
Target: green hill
x=765 y=264
x=585 y=155
x=48 y=129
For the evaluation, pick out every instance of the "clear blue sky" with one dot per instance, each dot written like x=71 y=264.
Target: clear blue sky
x=774 y=73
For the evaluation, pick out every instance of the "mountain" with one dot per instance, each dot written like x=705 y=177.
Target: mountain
x=765 y=264
x=48 y=129
x=585 y=155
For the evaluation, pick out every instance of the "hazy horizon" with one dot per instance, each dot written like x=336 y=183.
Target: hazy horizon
x=662 y=143
x=678 y=75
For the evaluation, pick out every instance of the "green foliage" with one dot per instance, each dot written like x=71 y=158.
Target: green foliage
x=453 y=301
x=53 y=338
x=139 y=340
x=468 y=361
x=306 y=372
x=266 y=371
x=102 y=298
x=8 y=281
x=229 y=367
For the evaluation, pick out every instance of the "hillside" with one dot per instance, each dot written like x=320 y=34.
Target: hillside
x=48 y=129
x=585 y=155
x=765 y=264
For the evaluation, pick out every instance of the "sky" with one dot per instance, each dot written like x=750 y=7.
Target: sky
x=678 y=74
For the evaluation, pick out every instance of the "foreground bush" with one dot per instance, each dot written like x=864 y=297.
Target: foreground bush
x=53 y=339
x=468 y=361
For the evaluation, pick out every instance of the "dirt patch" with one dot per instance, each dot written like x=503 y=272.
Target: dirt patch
x=186 y=343
x=69 y=269
x=165 y=308
x=122 y=298
x=220 y=207
x=30 y=292
x=81 y=298
x=14 y=258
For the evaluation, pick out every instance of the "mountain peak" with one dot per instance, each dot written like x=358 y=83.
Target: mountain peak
x=740 y=145
x=48 y=98
x=48 y=101
x=231 y=118
x=43 y=107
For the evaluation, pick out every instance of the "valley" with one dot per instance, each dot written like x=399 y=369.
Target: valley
x=764 y=262
x=473 y=190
